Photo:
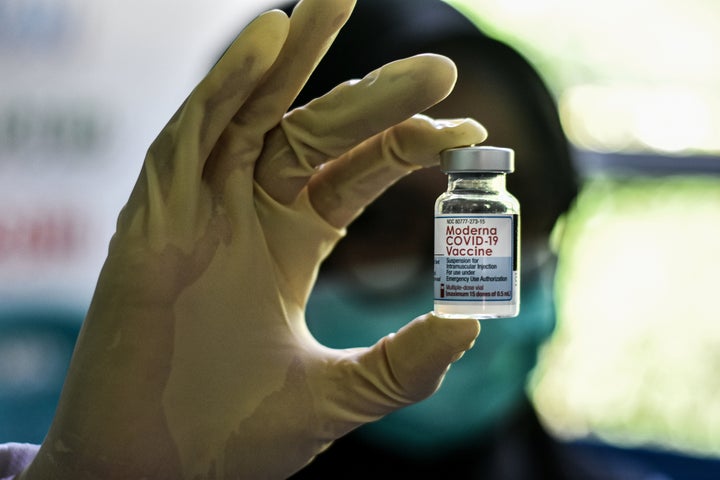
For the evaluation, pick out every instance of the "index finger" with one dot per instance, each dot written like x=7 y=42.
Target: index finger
x=335 y=123
x=343 y=188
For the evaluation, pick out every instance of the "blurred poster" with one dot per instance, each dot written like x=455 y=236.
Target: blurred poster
x=84 y=88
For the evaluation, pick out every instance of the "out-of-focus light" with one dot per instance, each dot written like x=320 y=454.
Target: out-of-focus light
x=595 y=120
x=672 y=120
x=634 y=359
x=675 y=120
x=634 y=77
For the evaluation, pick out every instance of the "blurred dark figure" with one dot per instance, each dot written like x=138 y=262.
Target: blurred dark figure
x=481 y=423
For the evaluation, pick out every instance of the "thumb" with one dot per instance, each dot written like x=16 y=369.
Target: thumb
x=408 y=366
x=421 y=352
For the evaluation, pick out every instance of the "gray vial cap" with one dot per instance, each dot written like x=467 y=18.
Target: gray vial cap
x=477 y=159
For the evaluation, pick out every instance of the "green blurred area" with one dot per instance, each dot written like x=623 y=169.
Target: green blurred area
x=637 y=76
x=636 y=354
x=644 y=42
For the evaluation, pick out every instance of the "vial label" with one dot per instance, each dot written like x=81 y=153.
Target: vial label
x=476 y=265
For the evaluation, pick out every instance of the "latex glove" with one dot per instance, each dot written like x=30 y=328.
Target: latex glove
x=195 y=360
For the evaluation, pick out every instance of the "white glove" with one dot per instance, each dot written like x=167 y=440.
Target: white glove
x=195 y=360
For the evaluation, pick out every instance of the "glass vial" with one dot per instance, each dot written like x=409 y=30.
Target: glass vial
x=477 y=236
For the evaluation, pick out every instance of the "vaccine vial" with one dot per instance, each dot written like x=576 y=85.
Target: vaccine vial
x=477 y=236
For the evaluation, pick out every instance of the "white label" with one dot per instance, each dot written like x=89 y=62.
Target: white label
x=475 y=258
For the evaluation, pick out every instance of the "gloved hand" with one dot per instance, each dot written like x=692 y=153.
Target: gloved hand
x=195 y=360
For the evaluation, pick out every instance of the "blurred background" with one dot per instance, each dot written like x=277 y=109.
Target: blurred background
x=85 y=86
x=636 y=355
